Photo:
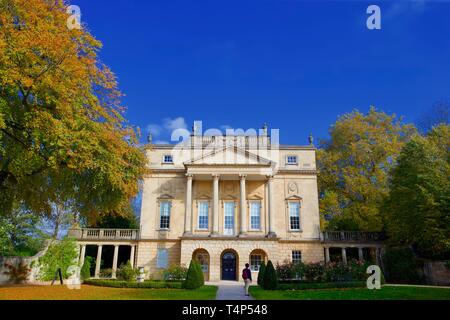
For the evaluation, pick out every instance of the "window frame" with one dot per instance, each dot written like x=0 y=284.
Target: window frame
x=199 y=205
x=252 y=266
x=252 y=202
x=292 y=156
x=293 y=253
x=164 y=159
x=162 y=203
x=158 y=258
x=233 y=203
x=298 y=203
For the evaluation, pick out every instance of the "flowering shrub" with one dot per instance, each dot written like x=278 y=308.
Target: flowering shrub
x=320 y=272
x=175 y=272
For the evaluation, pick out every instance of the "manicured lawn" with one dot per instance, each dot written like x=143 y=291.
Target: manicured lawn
x=103 y=293
x=385 y=293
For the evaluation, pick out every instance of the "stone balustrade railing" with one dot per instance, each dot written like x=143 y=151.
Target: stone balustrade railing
x=352 y=236
x=105 y=234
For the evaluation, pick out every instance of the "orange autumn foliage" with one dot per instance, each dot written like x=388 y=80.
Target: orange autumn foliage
x=62 y=129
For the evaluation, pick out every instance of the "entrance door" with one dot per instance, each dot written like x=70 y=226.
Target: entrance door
x=229 y=266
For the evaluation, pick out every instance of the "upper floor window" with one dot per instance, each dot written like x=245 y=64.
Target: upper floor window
x=203 y=210
x=164 y=213
x=296 y=256
x=168 y=158
x=162 y=260
x=291 y=160
x=294 y=215
x=255 y=215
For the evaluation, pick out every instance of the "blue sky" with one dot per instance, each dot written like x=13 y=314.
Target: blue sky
x=297 y=65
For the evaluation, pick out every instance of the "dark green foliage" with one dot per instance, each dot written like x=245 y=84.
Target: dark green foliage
x=175 y=272
x=262 y=271
x=417 y=207
x=85 y=272
x=401 y=266
x=126 y=272
x=194 y=278
x=17 y=273
x=127 y=284
x=321 y=285
x=270 y=277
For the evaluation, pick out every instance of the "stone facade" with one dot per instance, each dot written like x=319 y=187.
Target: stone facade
x=259 y=202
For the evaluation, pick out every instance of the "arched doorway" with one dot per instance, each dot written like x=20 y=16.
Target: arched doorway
x=229 y=262
x=202 y=257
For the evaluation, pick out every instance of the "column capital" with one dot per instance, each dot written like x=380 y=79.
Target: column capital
x=269 y=177
x=242 y=176
x=189 y=175
x=215 y=176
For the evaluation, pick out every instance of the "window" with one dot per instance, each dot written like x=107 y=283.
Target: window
x=294 y=215
x=291 y=160
x=228 y=218
x=164 y=212
x=162 y=259
x=255 y=215
x=168 y=158
x=296 y=256
x=255 y=262
x=203 y=209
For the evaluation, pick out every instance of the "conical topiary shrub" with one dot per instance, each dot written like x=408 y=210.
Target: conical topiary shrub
x=200 y=277
x=192 y=280
x=270 y=277
x=262 y=270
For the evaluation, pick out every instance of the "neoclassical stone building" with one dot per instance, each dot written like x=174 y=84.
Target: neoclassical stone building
x=226 y=201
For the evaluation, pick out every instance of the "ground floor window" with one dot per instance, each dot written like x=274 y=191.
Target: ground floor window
x=255 y=261
x=296 y=256
x=162 y=259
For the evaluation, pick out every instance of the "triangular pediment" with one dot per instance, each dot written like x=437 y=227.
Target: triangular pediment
x=229 y=156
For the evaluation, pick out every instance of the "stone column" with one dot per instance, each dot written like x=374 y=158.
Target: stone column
x=97 y=261
x=132 y=255
x=82 y=254
x=360 y=254
x=114 y=266
x=344 y=256
x=243 y=215
x=270 y=190
x=188 y=214
x=327 y=254
x=215 y=231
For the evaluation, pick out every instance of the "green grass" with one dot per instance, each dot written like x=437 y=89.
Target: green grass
x=104 y=293
x=385 y=293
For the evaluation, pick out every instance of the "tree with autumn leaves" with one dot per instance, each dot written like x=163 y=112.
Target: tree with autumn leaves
x=63 y=135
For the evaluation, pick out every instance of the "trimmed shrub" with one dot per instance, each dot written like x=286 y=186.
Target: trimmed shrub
x=321 y=285
x=262 y=270
x=127 y=284
x=85 y=272
x=401 y=266
x=126 y=272
x=270 y=277
x=175 y=273
x=193 y=279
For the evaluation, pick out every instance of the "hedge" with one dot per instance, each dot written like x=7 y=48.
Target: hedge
x=128 y=284
x=321 y=285
x=270 y=277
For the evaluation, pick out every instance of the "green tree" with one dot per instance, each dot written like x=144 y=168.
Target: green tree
x=60 y=254
x=262 y=270
x=193 y=280
x=417 y=207
x=270 y=277
x=63 y=135
x=354 y=167
x=19 y=233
